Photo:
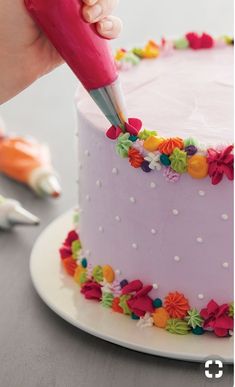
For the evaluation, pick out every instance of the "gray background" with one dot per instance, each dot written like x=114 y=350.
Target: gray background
x=37 y=348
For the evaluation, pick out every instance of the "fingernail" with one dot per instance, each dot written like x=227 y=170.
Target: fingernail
x=107 y=25
x=94 y=12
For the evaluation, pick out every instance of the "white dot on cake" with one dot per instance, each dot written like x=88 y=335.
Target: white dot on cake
x=118 y=272
x=153 y=231
x=88 y=198
x=88 y=253
x=175 y=212
x=224 y=216
x=117 y=218
x=200 y=296
x=225 y=265
x=199 y=239
x=155 y=286
x=114 y=171
x=101 y=229
x=177 y=258
x=153 y=185
x=86 y=152
x=134 y=245
x=201 y=193
x=132 y=199
x=98 y=183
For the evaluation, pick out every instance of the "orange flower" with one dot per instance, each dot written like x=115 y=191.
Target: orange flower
x=160 y=317
x=70 y=265
x=176 y=305
x=168 y=145
x=115 y=305
x=135 y=158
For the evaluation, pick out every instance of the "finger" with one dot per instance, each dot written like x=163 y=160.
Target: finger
x=109 y=27
x=99 y=10
x=90 y=2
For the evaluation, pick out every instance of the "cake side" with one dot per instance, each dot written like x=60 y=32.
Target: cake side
x=178 y=236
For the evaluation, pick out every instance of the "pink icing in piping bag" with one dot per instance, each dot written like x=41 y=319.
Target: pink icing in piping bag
x=88 y=54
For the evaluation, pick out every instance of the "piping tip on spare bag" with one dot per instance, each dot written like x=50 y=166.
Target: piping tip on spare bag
x=13 y=214
x=87 y=54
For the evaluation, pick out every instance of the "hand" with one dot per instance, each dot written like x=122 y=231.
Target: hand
x=25 y=52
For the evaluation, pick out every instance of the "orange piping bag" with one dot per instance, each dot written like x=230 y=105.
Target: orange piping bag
x=29 y=162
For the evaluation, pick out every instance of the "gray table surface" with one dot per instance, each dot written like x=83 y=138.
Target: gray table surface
x=38 y=348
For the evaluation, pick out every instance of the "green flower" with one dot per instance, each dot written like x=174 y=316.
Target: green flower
x=190 y=141
x=138 y=51
x=179 y=160
x=231 y=310
x=123 y=304
x=177 y=326
x=132 y=58
x=75 y=218
x=144 y=134
x=83 y=277
x=97 y=273
x=76 y=247
x=123 y=144
x=181 y=43
x=194 y=319
x=107 y=300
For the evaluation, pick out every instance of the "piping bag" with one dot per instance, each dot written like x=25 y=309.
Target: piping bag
x=85 y=51
x=12 y=213
x=29 y=162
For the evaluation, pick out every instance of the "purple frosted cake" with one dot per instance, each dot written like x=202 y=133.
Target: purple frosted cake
x=155 y=233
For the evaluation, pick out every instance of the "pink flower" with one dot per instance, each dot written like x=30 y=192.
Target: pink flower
x=220 y=163
x=133 y=126
x=92 y=291
x=141 y=303
x=216 y=317
x=171 y=175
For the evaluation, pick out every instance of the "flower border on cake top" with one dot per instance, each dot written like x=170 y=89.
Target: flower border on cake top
x=148 y=150
x=132 y=298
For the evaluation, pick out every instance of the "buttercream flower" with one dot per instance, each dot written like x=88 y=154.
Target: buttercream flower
x=160 y=317
x=154 y=160
x=168 y=145
x=197 y=42
x=107 y=300
x=198 y=166
x=179 y=160
x=220 y=163
x=176 y=305
x=217 y=319
x=97 y=273
x=138 y=145
x=123 y=145
x=231 y=310
x=92 y=291
x=145 y=321
x=171 y=175
x=194 y=319
x=66 y=249
x=144 y=134
x=70 y=265
x=141 y=303
x=177 y=326
x=123 y=304
x=135 y=158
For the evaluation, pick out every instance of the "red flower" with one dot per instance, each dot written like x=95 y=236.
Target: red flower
x=216 y=317
x=197 y=42
x=133 y=126
x=92 y=291
x=220 y=163
x=66 y=248
x=71 y=237
x=135 y=158
x=141 y=303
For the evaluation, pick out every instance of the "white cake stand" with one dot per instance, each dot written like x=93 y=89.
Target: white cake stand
x=62 y=295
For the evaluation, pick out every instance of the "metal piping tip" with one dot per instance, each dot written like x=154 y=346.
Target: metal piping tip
x=20 y=216
x=49 y=186
x=111 y=102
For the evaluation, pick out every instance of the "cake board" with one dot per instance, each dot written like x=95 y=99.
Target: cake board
x=62 y=295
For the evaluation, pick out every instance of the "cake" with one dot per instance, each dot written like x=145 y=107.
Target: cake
x=155 y=233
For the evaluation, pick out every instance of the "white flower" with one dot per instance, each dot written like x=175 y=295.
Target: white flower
x=146 y=321
x=106 y=287
x=154 y=160
x=138 y=145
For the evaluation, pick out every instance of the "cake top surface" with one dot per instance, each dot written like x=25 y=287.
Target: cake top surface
x=186 y=93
